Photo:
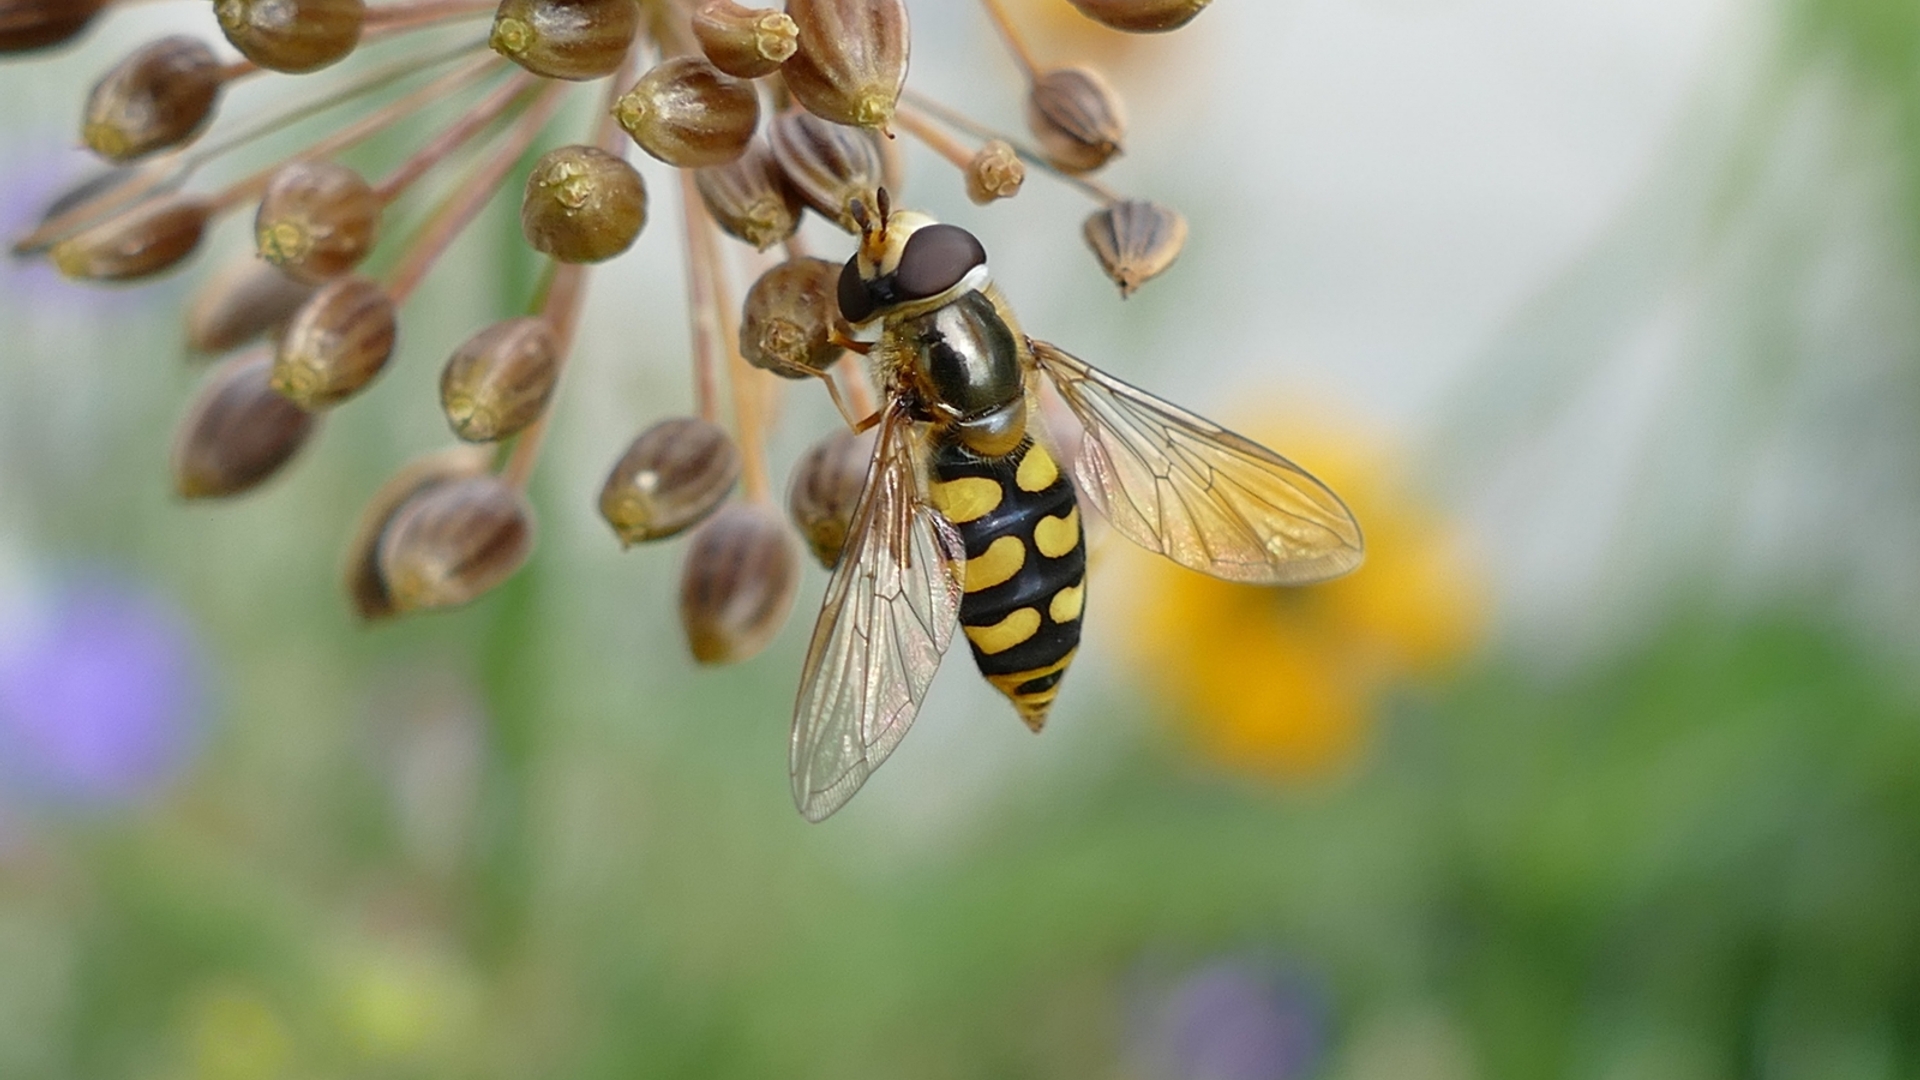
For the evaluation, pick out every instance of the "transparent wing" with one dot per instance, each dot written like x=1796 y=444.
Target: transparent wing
x=1195 y=492
x=888 y=616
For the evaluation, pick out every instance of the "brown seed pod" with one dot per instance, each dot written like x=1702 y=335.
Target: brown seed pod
x=826 y=484
x=452 y=542
x=828 y=164
x=690 y=114
x=750 y=198
x=501 y=379
x=245 y=299
x=335 y=344
x=738 y=583
x=160 y=96
x=141 y=241
x=582 y=205
x=995 y=173
x=365 y=587
x=237 y=432
x=851 y=61
x=1078 y=118
x=27 y=25
x=1135 y=240
x=789 y=318
x=566 y=39
x=316 y=221
x=1141 y=16
x=292 y=35
x=674 y=474
x=742 y=41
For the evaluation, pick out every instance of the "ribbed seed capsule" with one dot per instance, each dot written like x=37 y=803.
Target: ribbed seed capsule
x=1077 y=117
x=244 y=300
x=139 y=242
x=582 y=205
x=675 y=473
x=160 y=96
x=742 y=41
x=826 y=484
x=851 y=61
x=237 y=432
x=1141 y=16
x=689 y=113
x=292 y=35
x=335 y=344
x=750 y=197
x=316 y=221
x=1135 y=240
x=995 y=173
x=566 y=39
x=365 y=585
x=454 y=541
x=501 y=379
x=828 y=164
x=788 y=320
x=26 y=25
x=738 y=583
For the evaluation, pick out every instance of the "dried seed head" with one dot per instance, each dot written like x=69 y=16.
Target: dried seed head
x=452 y=542
x=673 y=475
x=851 y=61
x=365 y=586
x=744 y=42
x=335 y=344
x=138 y=242
x=1135 y=240
x=789 y=318
x=566 y=39
x=738 y=583
x=292 y=35
x=160 y=96
x=995 y=173
x=750 y=197
x=316 y=221
x=689 y=113
x=26 y=25
x=582 y=205
x=1077 y=117
x=501 y=379
x=1141 y=16
x=245 y=299
x=237 y=432
x=826 y=484
x=828 y=164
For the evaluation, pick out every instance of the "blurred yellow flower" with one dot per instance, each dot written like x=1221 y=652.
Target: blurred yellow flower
x=236 y=1035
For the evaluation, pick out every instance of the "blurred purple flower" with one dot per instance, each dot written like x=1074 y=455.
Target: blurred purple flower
x=1235 y=1019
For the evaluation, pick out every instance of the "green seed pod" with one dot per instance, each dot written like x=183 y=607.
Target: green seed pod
x=335 y=344
x=144 y=240
x=501 y=379
x=27 y=25
x=1135 y=240
x=744 y=42
x=292 y=36
x=852 y=59
x=788 y=322
x=1078 y=118
x=738 y=583
x=676 y=473
x=237 y=432
x=244 y=300
x=160 y=96
x=826 y=484
x=1141 y=16
x=365 y=587
x=828 y=164
x=566 y=39
x=316 y=221
x=452 y=542
x=582 y=205
x=690 y=114
x=750 y=197
x=995 y=173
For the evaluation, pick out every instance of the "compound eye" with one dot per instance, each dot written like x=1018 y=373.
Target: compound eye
x=935 y=259
x=856 y=303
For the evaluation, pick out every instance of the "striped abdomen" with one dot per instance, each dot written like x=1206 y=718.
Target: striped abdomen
x=1026 y=567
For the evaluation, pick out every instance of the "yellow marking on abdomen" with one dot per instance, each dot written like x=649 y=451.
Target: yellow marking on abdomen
x=1067 y=603
x=1006 y=633
x=1002 y=559
x=1056 y=536
x=965 y=499
x=1037 y=470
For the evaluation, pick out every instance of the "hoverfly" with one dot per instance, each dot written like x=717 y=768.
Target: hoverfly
x=967 y=521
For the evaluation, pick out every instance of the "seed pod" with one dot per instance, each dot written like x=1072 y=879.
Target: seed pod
x=335 y=344
x=851 y=61
x=673 y=475
x=365 y=586
x=1077 y=117
x=501 y=379
x=750 y=197
x=237 y=432
x=316 y=221
x=744 y=42
x=828 y=164
x=160 y=96
x=690 y=114
x=292 y=35
x=738 y=583
x=138 y=242
x=995 y=173
x=789 y=318
x=245 y=299
x=26 y=25
x=582 y=205
x=1135 y=240
x=566 y=39
x=453 y=541
x=1141 y=16
x=826 y=484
